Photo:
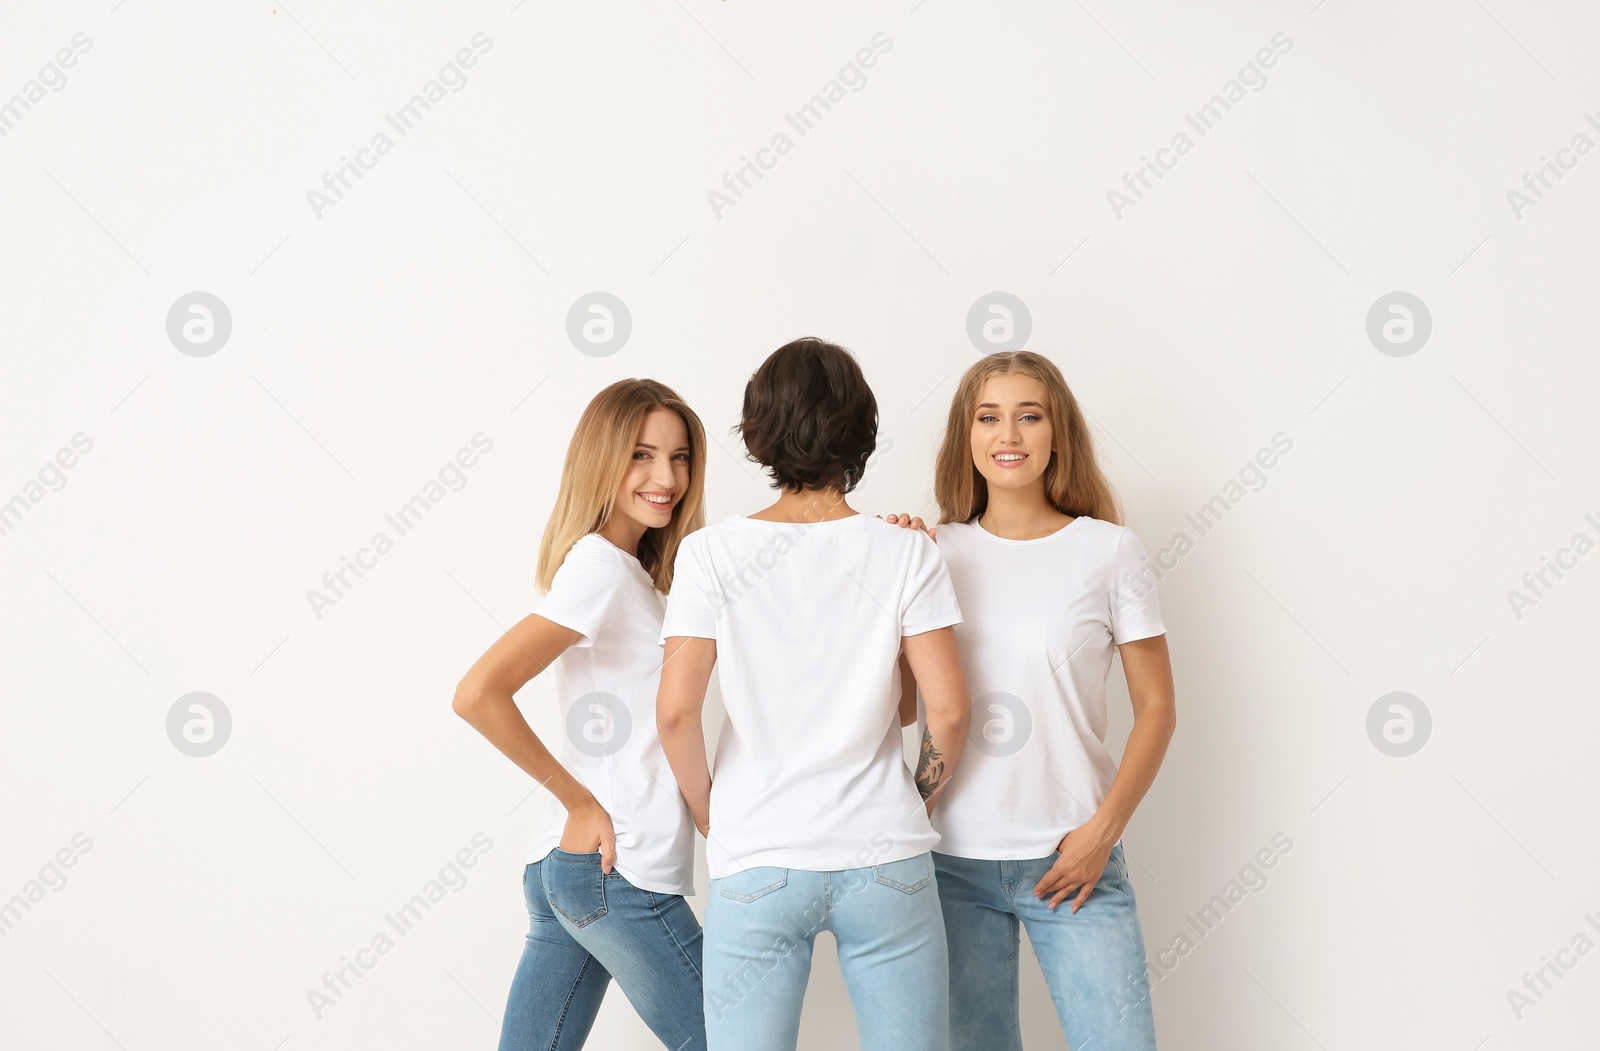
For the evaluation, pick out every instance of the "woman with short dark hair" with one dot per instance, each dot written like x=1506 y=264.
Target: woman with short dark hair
x=813 y=820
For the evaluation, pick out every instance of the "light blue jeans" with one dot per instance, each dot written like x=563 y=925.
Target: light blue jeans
x=760 y=927
x=1093 y=960
x=585 y=928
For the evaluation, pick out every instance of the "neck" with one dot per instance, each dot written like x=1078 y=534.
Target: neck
x=624 y=532
x=1021 y=514
x=807 y=505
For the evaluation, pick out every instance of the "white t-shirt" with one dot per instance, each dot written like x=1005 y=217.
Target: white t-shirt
x=1041 y=619
x=809 y=771
x=606 y=685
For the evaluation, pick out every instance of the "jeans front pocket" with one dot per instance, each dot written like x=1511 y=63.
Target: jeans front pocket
x=1118 y=864
x=753 y=883
x=910 y=875
x=575 y=886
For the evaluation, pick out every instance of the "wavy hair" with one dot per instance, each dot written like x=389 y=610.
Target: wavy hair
x=1073 y=481
x=809 y=417
x=598 y=457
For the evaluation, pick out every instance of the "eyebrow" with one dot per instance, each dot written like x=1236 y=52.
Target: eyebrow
x=1020 y=405
x=652 y=448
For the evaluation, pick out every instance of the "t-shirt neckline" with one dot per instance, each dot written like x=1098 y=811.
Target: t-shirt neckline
x=634 y=565
x=976 y=524
x=768 y=522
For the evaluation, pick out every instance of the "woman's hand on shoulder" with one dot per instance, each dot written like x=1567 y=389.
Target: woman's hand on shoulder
x=588 y=829
x=906 y=521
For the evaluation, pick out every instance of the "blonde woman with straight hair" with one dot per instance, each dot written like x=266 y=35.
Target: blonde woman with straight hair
x=609 y=866
x=1049 y=584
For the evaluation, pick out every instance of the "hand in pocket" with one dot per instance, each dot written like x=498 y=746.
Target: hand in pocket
x=588 y=829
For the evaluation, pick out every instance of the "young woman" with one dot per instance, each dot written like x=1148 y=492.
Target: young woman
x=813 y=822
x=607 y=871
x=1048 y=584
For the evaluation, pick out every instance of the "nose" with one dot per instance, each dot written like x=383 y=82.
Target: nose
x=663 y=477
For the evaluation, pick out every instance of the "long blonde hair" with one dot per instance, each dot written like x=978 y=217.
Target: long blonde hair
x=597 y=459
x=1073 y=481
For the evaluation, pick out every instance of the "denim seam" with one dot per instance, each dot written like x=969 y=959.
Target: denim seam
x=1016 y=981
x=684 y=953
x=566 y=1006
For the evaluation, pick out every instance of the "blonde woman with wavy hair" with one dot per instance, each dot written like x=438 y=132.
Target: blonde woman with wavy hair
x=1049 y=583
x=613 y=857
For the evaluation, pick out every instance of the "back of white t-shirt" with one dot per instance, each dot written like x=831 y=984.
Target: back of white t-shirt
x=808 y=618
x=1041 y=620
x=606 y=684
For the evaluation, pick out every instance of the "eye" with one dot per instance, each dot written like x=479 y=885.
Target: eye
x=987 y=417
x=641 y=452
x=1030 y=416
x=684 y=457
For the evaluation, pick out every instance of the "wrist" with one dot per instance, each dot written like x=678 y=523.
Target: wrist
x=1106 y=829
x=574 y=797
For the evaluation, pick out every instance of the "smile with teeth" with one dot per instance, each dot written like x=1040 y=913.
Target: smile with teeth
x=656 y=499
x=1009 y=459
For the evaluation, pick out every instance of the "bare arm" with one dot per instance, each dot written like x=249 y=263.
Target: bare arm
x=935 y=665
x=685 y=674
x=1148 y=669
x=908 y=692
x=485 y=699
x=1085 y=849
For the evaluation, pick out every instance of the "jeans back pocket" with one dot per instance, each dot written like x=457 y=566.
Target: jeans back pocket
x=575 y=886
x=753 y=883
x=910 y=875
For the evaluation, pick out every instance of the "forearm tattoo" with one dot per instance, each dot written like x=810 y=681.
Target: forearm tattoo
x=930 y=767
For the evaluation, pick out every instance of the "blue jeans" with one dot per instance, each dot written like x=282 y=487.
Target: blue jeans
x=1093 y=960
x=760 y=927
x=586 y=927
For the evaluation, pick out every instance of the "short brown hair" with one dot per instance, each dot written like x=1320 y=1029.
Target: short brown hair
x=809 y=417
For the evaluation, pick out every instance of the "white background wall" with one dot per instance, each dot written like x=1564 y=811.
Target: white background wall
x=371 y=341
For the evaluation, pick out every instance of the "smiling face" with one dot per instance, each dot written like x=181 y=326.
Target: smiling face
x=658 y=473
x=1011 y=432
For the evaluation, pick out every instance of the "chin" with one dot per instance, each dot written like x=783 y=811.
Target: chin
x=1011 y=480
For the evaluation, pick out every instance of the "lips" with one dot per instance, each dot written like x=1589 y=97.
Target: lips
x=661 y=501
x=1020 y=459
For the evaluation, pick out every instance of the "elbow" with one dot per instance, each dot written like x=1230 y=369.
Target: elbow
x=468 y=699
x=954 y=720
x=669 y=722
x=1163 y=718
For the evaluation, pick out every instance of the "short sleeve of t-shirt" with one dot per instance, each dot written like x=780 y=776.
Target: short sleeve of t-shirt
x=587 y=592
x=930 y=600
x=691 y=606
x=1135 y=609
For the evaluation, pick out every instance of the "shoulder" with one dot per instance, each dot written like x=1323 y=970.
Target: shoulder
x=1117 y=547
x=954 y=532
x=896 y=536
x=1101 y=529
x=711 y=535
x=898 y=543
x=594 y=557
